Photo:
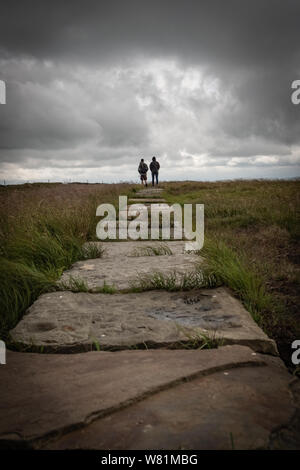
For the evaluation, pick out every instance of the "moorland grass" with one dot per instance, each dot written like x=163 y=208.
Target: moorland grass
x=232 y=269
x=174 y=281
x=252 y=246
x=42 y=232
x=157 y=250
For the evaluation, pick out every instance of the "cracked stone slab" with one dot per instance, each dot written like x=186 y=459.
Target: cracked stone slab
x=66 y=321
x=44 y=395
x=121 y=272
x=240 y=408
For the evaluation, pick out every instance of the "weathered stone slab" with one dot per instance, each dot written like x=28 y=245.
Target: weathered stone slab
x=125 y=216
x=131 y=248
x=162 y=208
x=44 y=395
x=240 y=408
x=151 y=192
x=145 y=200
x=151 y=208
x=122 y=272
x=154 y=223
x=63 y=321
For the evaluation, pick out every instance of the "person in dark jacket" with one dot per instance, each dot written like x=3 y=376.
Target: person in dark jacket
x=142 y=169
x=154 y=167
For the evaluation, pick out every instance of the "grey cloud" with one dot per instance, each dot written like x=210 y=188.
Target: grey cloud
x=235 y=30
x=45 y=111
x=39 y=117
x=263 y=107
x=200 y=83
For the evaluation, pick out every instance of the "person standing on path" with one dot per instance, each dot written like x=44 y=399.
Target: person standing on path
x=142 y=169
x=154 y=167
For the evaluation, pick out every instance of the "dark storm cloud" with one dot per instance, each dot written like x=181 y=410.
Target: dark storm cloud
x=67 y=110
x=249 y=32
x=265 y=107
x=198 y=82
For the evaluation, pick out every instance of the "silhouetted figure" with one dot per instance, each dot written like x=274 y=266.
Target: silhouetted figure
x=143 y=168
x=154 y=167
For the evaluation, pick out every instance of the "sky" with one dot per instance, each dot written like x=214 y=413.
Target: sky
x=204 y=85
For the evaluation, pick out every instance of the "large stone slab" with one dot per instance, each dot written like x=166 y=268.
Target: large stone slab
x=146 y=200
x=123 y=271
x=117 y=250
x=65 y=321
x=150 y=192
x=240 y=408
x=144 y=399
x=155 y=207
x=45 y=395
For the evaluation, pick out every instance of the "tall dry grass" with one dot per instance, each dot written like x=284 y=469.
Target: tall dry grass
x=42 y=231
x=252 y=246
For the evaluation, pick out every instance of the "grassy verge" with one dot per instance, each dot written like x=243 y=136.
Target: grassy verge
x=174 y=281
x=231 y=269
x=149 y=250
x=252 y=246
x=42 y=231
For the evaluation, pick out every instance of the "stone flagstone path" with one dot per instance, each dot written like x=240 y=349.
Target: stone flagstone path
x=142 y=386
